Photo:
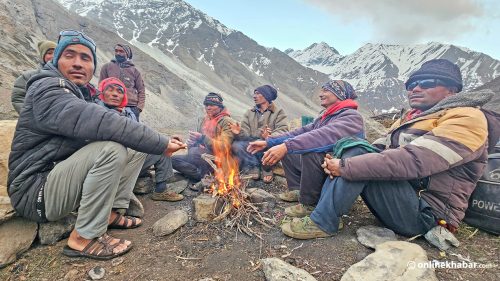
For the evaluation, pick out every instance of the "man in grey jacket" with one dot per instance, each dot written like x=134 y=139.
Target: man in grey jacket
x=46 y=52
x=70 y=155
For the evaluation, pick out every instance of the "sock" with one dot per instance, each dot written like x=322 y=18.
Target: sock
x=161 y=186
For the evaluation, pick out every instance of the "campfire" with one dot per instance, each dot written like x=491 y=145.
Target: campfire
x=229 y=187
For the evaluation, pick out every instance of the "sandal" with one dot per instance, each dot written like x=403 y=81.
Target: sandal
x=267 y=174
x=115 y=224
x=99 y=249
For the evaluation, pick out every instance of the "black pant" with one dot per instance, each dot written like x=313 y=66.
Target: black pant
x=136 y=111
x=303 y=172
x=192 y=165
x=395 y=203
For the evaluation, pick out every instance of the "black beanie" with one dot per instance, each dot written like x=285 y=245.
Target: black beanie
x=268 y=92
x=438 y=69
x=213 y=99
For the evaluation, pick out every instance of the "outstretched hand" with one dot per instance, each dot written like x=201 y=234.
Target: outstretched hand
x=173 y=146
x=274 y=154
x=265 y=132
x=256 y=146
x=235 y=128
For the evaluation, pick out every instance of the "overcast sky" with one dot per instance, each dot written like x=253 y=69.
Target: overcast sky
x=347 y=25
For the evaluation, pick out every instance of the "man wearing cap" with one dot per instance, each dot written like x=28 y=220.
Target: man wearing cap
x=45 y=52
x=113 y=95
x=69 y=155
x=124 y=69
x=302 y=151
x=431 y=161
x=214 y=130
x=264 y=120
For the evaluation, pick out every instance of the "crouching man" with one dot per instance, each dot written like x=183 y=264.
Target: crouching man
x=70 y=155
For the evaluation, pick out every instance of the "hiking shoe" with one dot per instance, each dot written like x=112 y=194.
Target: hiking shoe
x=303 y=228
x=299 y=210
x=167 y=195
x=290 y=196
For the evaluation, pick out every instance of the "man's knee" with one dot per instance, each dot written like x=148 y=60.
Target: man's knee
x=115 y=151
x=239 y=147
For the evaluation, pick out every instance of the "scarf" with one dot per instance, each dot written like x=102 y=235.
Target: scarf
x=210 y=124
x=348 y=103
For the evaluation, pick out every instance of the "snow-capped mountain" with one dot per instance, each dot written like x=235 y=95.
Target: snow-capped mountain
x=205 y=53
x=318 y=56
x=378 y=71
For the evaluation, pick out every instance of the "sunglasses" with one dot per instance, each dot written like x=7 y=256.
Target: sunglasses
x=426 y=84
x=75 y=33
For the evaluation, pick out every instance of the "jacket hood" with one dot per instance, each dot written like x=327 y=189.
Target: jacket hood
x=127 y=63
x=465 y=99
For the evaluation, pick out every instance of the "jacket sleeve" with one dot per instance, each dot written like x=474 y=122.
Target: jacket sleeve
x=19 y=90
x=225 y=136
x=457 y=139
x=141 y=90
x=58 y=111
x=322 y=139
x=245 y=127
x=281 y=125
x=104 y=73
x=279 y=139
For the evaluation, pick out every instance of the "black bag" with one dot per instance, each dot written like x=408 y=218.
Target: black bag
x=493 y=119
x=484 y=204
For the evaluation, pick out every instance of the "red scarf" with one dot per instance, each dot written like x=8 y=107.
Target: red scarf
x=210 y=124
x=348 y=103
x=411 y=114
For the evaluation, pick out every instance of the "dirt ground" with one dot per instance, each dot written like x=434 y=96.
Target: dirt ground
x=204 y=250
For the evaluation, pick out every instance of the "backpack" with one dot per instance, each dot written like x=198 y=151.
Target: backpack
x=493 y=119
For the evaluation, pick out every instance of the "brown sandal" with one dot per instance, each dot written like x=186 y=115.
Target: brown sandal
x=115 y=224
x=267 y=174
x=99 y=249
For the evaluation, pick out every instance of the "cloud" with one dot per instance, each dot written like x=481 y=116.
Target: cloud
x=397 y=21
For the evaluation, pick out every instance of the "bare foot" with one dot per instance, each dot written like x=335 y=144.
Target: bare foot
x=267 y=179
x=123 y=221
x=78 y=243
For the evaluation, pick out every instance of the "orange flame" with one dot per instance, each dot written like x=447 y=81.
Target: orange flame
x=226 y=174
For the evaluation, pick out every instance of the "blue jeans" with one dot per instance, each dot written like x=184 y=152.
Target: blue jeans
x=245 y=158
x=395 y=203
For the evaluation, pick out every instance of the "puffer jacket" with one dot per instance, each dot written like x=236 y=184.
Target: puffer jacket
x=321 y=135
x=223 y=133
x=442 y=152
x=19 y=90
x=56 y=121
x=253 y=121
x=131 y=77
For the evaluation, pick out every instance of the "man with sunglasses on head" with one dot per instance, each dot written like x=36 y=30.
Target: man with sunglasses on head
x=69 y=155
x=430 y=162
x=124 y=69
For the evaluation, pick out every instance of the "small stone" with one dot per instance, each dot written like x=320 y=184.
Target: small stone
x=71 y=275
x=170 y=223
x=204 y=206
x=51 y=232
x=258 y=195
x=371 y=235
x=178 y=186
x=144 y=185
x=207 y=279
x=278 y=270
x=135 y=208
x=117 y=261
x=392 y=260
x=97 y=273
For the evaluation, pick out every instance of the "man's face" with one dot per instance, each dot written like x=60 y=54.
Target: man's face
x=76 y=64
x=113 y=96
x=258 y=98
x=327 y=98
x=423 y=99
x=48 y=55
x=212 y=110
x=120 y=51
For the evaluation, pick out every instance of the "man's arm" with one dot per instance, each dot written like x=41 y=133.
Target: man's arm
x=457 y=139
x=226 y=136
x=141 y=90
x=104 y=72
x=19 y=90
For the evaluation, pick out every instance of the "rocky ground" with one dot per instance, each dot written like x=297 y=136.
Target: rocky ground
x=210 y=250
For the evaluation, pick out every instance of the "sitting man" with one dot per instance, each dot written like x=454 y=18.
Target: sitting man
x=70 y=155
x=304 y=149
x=431 y=161
x=260 y=122
x=215 y=129
x=46 y=52
x=113 y=95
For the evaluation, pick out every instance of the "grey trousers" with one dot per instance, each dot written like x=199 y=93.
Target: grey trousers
x=96 y=178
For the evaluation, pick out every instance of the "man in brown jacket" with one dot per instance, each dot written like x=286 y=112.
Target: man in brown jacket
x=431 y=161
x=258 y=123
x=122 y=68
